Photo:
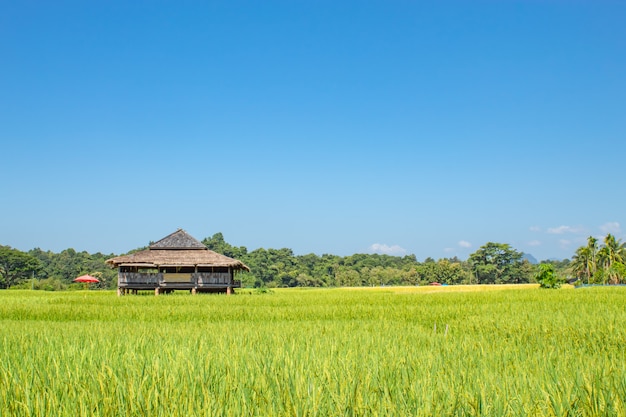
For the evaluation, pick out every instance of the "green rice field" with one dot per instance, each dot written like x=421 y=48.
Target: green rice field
x=464 y=351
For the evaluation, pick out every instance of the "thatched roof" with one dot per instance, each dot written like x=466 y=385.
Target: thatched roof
x=177 y=249
x=178 y=240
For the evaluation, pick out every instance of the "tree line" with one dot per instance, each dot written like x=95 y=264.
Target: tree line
x=598 y=263
x=492 y=263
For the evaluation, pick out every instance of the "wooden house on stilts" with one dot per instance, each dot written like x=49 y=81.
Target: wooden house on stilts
x=177 y=262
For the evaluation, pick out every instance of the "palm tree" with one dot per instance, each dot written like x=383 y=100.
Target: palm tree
x=612 y=256
x=579 y=263
x=584 y=264
x=592 y=260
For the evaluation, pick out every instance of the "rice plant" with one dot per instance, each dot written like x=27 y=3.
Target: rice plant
x=329 y=352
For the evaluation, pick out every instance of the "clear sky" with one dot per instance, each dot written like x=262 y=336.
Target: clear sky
x=424 y=127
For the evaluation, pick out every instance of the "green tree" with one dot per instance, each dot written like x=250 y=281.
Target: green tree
x=68 y=264
x=546 y=276
x=498 y=263
x=216 y=243
x=347 y=277
x=605 y=264
x=450 y=272
x=427 y=272
x=584 y=262
x=611 y=257
x=16 y=265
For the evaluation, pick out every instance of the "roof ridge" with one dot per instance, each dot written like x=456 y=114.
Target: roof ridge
x=179 y=239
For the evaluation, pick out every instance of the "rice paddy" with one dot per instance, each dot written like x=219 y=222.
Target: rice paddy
x=467 y=351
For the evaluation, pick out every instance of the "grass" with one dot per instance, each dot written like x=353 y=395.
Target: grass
x=473 y=351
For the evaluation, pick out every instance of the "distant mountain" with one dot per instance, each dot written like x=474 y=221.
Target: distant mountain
x=531 y=259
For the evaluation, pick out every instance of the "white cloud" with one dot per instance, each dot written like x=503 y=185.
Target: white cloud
x=383 y=249
x=448 y=250
x=534 y=243
x=564 y=229
x=535 y=229
x=464 y=244
x=565 y=243
x=611 y=227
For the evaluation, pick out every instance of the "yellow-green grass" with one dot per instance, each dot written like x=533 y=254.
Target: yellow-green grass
x=386 y=351
x=448 y=288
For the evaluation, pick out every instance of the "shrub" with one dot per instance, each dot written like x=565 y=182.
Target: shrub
x=48 y=284
x=547 y=278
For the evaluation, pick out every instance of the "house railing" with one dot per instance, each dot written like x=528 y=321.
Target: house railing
x=191 y=280
x=125 y=278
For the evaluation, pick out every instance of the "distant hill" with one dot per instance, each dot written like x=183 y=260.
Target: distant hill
x=531 y=259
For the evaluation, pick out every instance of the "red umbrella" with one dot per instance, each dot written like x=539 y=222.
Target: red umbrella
x=86 y=279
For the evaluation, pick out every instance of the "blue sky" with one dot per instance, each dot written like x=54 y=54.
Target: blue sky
x=396 y=127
